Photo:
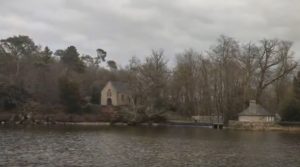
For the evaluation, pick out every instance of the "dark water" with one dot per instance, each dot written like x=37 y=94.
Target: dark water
x=145 y=146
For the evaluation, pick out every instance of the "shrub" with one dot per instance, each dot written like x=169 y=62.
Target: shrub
x=291 y=111
x=69 y=94
x=12 y=96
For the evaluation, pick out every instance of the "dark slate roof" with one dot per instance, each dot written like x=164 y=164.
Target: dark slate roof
x=121 y=87
x=255 y=110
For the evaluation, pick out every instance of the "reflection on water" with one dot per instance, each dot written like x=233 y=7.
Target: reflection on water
x=146 y=146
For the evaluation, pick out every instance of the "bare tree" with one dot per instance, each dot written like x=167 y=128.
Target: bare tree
x=149 y=83
x=275 y=62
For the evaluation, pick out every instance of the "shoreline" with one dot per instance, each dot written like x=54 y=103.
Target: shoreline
x=168 y=124
x=264 y=126
x=286 y=129
x=96 y=119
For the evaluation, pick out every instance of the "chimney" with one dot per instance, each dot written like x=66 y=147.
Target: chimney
x=252 y=103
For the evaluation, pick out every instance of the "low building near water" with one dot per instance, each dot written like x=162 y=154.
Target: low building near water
x=207 y=119
x=256 y=113
x=115 y=93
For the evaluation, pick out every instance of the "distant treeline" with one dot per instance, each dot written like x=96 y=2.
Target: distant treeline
x=219 y=81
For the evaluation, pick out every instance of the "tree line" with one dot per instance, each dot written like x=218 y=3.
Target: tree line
x=219 y=81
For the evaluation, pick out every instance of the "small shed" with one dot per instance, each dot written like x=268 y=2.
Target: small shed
x=256 y=113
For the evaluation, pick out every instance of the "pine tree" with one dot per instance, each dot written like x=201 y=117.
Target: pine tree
x=70 y=95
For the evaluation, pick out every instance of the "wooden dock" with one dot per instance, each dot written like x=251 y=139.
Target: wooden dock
x=218 y=125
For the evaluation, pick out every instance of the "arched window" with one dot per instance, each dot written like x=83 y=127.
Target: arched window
x=108 y=93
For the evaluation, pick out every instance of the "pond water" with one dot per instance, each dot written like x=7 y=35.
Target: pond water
x=146 y=146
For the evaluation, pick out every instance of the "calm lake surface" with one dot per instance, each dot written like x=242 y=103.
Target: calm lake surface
x=146 y=146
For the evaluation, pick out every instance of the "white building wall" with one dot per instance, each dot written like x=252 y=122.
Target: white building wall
x=256 y=118
x=104 y=94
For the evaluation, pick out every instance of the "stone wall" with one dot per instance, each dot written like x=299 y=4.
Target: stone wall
x=207 y=119
x=254 y=125
x=123 y=99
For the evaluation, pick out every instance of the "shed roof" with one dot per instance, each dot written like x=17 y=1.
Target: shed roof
x=121 y=87
x=255 y=110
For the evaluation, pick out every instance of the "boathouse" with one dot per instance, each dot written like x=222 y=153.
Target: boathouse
x=256 y=113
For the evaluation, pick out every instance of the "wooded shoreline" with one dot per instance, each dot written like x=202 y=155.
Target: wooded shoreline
x=65 y=86
x=10 y=119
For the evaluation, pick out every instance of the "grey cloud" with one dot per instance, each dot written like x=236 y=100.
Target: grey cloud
x=133 y=27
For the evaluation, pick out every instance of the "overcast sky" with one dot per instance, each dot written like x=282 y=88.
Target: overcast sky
x=126 y=28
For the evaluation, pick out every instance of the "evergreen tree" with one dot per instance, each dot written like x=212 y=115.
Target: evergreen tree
x=70 y=57
x=46 y=55
x=296 y=87
x=291 y=111
x=69 y=94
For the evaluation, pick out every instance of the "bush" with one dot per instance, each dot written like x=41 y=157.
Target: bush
x=12 y=96
x=291 y=111
x=159 y=119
